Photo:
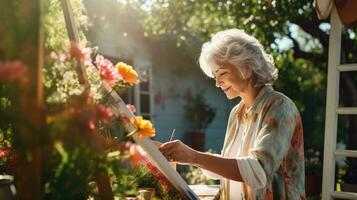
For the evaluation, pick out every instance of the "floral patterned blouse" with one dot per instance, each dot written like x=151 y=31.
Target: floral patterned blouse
x=274 y=137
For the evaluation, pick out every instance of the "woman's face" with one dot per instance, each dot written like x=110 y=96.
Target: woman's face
x=230 y=80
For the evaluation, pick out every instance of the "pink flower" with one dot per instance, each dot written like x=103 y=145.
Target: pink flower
x=5 y=151
x=76 y=51
x=131 y=108
x=2 y=153
x=13 y=71
x=63 y=57
x=107 y=70
x=104 y=114
x=91 y=125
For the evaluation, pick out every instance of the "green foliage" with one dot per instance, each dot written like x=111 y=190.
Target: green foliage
x=200 y=18
x=146 y=179
x=198 y=112
x=60 y=79
x=313 y=162
x=194 y=176
x=56 y=36
x=73 y=171
x=73 y=147
x=301 y=81
x=123 y=179
x=10 y=118
x=72 y=164
x=7 y=112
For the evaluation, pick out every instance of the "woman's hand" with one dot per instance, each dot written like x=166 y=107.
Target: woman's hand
x=177 y=151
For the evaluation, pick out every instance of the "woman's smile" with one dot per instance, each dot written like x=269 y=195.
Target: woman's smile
x=226 y=90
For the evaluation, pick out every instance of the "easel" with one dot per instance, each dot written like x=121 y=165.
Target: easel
x=103 y=181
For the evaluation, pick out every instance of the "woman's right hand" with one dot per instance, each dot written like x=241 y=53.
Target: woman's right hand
x=177 y=151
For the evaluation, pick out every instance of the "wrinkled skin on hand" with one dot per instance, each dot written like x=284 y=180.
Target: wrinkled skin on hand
x=177 y=151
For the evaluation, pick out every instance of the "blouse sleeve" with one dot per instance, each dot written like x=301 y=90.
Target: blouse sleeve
x=251 y=172
x=274 y=139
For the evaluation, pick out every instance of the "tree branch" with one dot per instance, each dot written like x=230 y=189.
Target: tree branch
x=298 y=53
x=312 y=27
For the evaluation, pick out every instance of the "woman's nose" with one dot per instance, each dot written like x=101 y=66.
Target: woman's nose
x=218 y=83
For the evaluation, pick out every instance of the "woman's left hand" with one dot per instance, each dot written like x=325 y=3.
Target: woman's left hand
x=177 y=151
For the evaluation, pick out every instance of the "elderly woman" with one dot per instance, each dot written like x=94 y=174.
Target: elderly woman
x=262 y=155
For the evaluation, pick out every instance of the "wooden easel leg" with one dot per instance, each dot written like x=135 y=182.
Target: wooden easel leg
x=104 y=187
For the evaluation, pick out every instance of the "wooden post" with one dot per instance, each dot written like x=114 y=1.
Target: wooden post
x=104 y=187
x=31 y=49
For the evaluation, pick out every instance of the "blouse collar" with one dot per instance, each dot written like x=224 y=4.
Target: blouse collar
x=259 y=98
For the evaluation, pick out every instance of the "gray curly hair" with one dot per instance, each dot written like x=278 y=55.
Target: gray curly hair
x=241 y=50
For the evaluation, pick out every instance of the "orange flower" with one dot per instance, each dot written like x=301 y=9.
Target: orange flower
x=144 y=127
x=126 y=71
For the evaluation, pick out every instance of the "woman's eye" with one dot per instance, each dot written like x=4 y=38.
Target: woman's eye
x=223 y=73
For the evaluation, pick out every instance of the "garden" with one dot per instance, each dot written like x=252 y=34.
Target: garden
x=84 y=82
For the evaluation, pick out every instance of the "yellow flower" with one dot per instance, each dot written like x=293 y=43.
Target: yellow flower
x=144 y=127
x=126 y=71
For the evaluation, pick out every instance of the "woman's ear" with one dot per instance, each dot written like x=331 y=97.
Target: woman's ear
x=246 y=73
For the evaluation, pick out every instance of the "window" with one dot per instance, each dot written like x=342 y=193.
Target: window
x=141 y=94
